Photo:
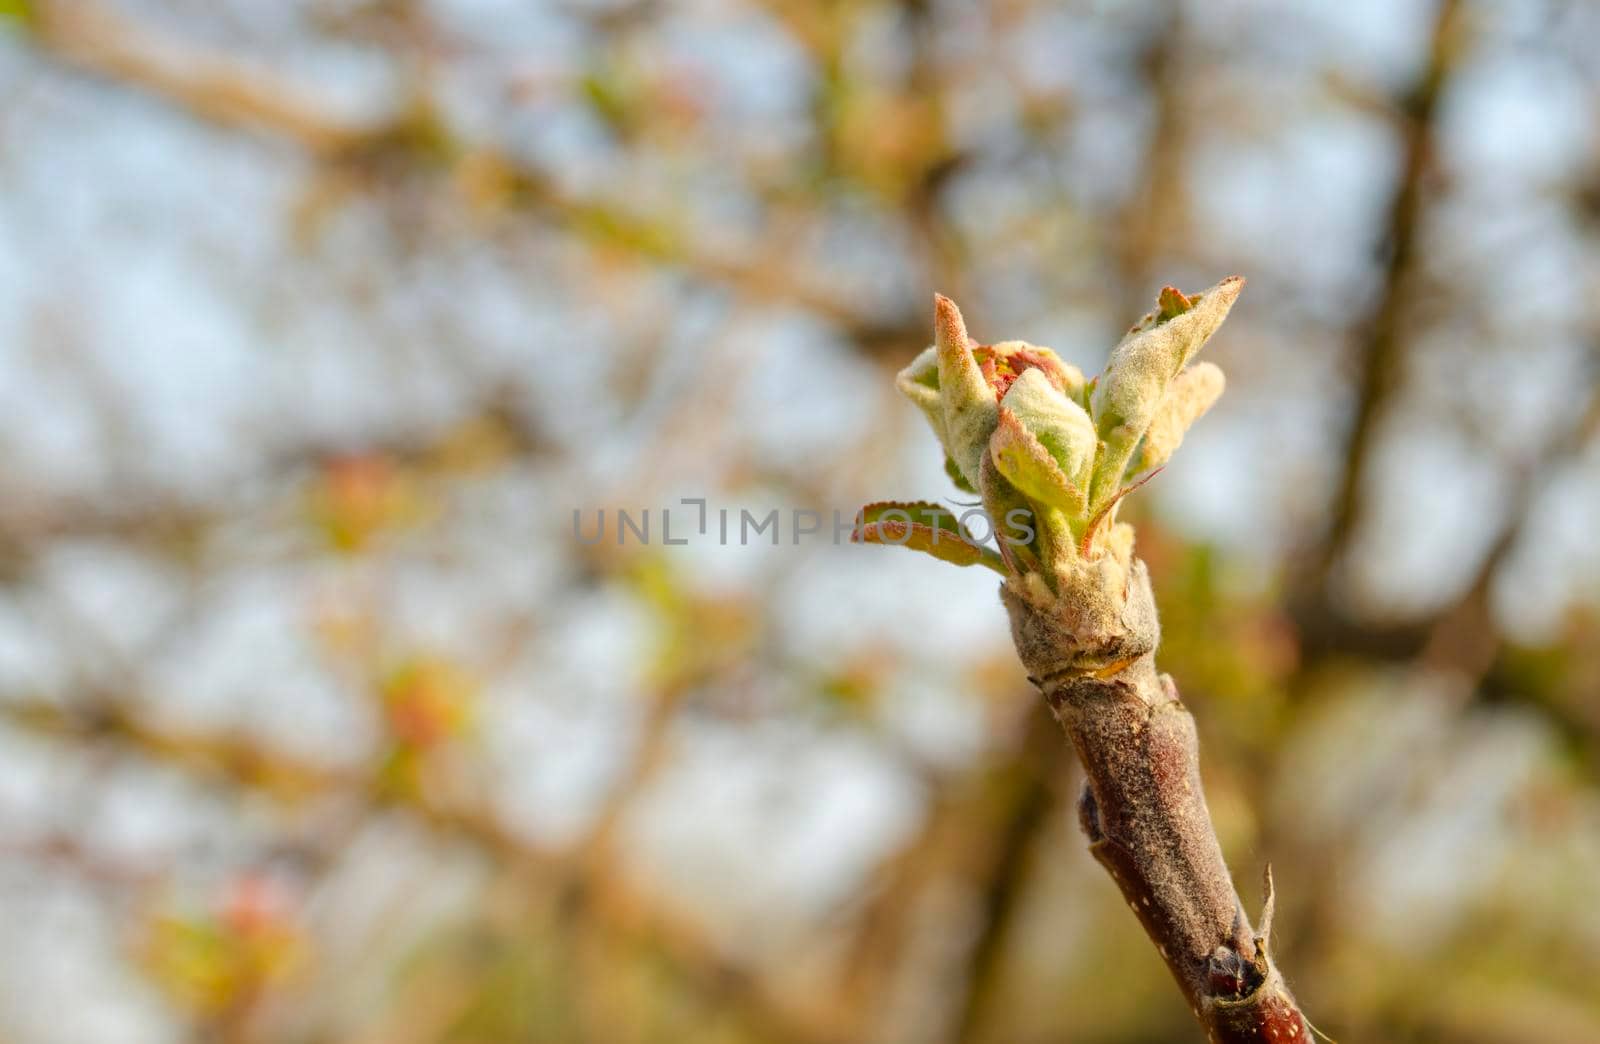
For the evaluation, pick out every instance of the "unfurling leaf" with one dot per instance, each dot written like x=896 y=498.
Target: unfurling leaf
x=954 y=472
x=1171 y=303
x=1049 y=454
x=957 y=384
x=1028 y=465
x=921 y=512
x=1056 y=421
x=919 y=382
x=926 y=527
x=1129 y=393
x=970 y=404
x=1190 y=396
x=1153 y=353
x=1004 y=363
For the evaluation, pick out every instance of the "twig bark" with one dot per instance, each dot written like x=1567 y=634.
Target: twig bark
x=1145 y=814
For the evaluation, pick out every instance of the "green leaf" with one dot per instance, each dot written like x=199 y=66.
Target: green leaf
x=970 y=408
x=955 y=475
x=1140 y=368
x=1130 y=391
x=1013 y=516
x=1190 y=396
x=922 y=512
x=1028 y=465
x=922 y=526
x=919 y=382
x=1056 y=421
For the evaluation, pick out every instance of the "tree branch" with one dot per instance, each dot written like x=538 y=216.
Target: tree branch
x=1145 y=814
x=1030 y=803
x=1031 y=435
x=615 y=904
x=1381 y=333
x=217 y=90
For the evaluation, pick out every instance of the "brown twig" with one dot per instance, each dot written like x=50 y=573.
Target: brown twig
x=1145 y=814
x=1150 y=220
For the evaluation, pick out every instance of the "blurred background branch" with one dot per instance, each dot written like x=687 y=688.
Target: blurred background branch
x=321 y=319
